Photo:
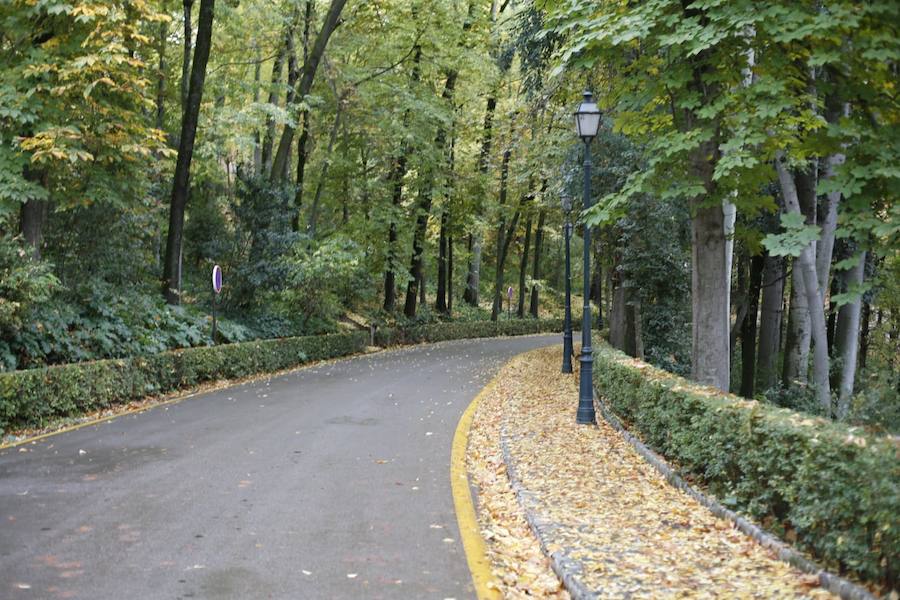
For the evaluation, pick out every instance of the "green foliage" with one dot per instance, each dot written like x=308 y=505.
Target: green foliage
x=24 y=284
x=438 y=332
x=73 y=95
x=796 y=236
x=322 y=281
x=834 y=487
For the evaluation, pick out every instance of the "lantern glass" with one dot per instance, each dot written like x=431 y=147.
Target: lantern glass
x=566 y=203
x=587 y=118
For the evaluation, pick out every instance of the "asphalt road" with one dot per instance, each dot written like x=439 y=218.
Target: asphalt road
x=328 y=482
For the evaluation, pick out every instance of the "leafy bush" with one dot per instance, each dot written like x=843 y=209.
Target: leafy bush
x=832 y=486
x=23 y=284
x=323 y=281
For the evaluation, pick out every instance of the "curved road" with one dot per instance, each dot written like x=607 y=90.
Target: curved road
x=328 y=482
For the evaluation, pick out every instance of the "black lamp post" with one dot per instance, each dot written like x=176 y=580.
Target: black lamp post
x=566 y=202
x=587 y=123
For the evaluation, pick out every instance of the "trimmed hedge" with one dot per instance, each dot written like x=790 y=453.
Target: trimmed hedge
x=834 y=488
x=33 y=397
x=438 y=332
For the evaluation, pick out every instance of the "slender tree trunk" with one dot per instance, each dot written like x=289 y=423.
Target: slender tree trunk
x=417 y=272
x=796 y=366
x=523 y=267
x=306 y=80
x=440 y=302
x=796 y=348
x=257 y=142
x=807 y=265
x=770 y=320
x=450 y=274
x=162 y=38
x=748 y=330
x=33 y=215
x=313 y=220
x=172 y=265
x=277 y=73
x=390 y=280
x=303 y=140
x=847 y=338
x=187 y=5
x=864 y=335
x=398 y=173
x=473 y=276
x=416 y=264
x=536 y=270
x=825 y=247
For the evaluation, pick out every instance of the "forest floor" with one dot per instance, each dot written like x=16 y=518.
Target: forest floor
x=609 y=515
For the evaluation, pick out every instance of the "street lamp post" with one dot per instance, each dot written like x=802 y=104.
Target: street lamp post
x=587 y=124
x=566 y=202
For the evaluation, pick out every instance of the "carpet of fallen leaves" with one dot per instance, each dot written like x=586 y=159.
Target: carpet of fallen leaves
x=633 y=534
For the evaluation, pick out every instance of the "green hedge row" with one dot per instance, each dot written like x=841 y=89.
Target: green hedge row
x=35 y=397
x=438 y=332
x=833 y=487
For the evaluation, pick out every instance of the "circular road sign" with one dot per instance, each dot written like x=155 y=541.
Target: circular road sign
x=217 y=278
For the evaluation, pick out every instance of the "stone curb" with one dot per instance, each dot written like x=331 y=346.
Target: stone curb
x=569 y=570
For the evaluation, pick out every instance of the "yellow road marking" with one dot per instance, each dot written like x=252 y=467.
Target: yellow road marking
x=469 y=532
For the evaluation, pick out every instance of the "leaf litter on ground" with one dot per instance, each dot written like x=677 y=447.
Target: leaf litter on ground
x=633 y=534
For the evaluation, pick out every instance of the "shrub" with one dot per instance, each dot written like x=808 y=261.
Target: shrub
x=834 y=487
x=438 y=332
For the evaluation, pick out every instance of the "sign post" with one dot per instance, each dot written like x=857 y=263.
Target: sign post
x=217 y=287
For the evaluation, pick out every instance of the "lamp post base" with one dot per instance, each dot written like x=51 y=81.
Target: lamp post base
x=567 y=352
x=586 y=414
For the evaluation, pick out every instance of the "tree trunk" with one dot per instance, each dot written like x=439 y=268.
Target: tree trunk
x=796 y=348
x=303 y=140
x=396 y=179
x=306 y=80
x=536 y=270
x=172 y=266
x=187 y=5
x=257 y=142
x=807 y=266
x=162 y=38
x=440 y=302
x=313 y=220
x=864 y=334
x=450 y=275
x=33 y=215
x=847 y=337
x=709 y=298
x=770 y=320
x=825 y=247
x=523 y=267
x=277 y=72
x=748 y=330
x=473 y=276
x=390 y=280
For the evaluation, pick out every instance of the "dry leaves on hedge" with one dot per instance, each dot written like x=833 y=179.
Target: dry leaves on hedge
x=633 y=534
